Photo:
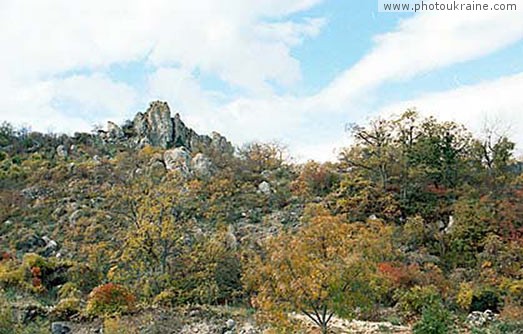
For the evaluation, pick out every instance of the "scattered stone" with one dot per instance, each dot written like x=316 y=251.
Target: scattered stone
x=157 y=168
x=230 y=324
x=34 y=192
x=61 y=151
x=480 y=319
x=264 y=188
x=60 y=328
x=50 y=245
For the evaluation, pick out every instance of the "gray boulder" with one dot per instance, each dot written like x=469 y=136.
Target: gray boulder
x=264 y=188
x=202 y=166
x=60 y=328
x=61 y=151
x=230 y=324
x=177 y=159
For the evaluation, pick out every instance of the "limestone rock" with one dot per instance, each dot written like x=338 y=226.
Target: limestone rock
x=265 y=188
x=480 y=319
x=160 y=124
x=177 y=159
x=202 y=166
x=61 y=151
x=230 y=324
x=114 y=131
x=220 y=143
x=60 y=328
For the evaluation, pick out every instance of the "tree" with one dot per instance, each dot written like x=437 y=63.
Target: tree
x=157 y=233
x=325 y=267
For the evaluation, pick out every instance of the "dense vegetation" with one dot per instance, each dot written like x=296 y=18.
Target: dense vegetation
x=417 y=222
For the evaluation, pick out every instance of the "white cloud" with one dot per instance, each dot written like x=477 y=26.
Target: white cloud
x=425 y=42
x=74 y=103
x=45 y=38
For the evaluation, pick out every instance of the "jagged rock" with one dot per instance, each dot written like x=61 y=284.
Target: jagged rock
x=60 y=328
x=177 y=159
x=264 y=188
x=202 y=166
x=220 y=143
x=156 y=125
x=61 y=151
x=114 y=131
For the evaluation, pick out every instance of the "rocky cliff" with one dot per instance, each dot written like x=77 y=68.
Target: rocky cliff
x=157 y=128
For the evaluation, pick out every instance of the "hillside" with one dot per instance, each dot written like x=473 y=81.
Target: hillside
x=418 y=224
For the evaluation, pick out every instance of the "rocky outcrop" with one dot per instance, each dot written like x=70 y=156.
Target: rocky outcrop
x=178 y=159
x=155 y=125
x=202 y=166
x=157 y=128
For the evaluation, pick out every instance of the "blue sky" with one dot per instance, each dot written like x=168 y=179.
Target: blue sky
x=295 y=71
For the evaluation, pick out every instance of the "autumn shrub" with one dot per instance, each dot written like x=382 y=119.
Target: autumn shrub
x=109 y=299
x=514 y=291
x=464 y=296
x=83 y=276
x=417 y=298
x=7 y=319
x=69 y=290
x=166 y=298
x=11 y=275
x=434 y=320
x=66 y=308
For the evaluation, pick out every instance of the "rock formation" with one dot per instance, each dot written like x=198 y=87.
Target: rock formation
x=157 y=128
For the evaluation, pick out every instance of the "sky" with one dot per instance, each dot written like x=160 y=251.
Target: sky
x=292 y=71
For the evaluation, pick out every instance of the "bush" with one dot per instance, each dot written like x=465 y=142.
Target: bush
x=66 y=308
x=7 y=319
x=434 y=320
x=69 y=290
x=166 y=298
x=110 y=299
x=465 y=295
x=413 y=301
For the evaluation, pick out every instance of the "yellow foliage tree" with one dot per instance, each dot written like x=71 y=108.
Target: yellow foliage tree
x=326 y=267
